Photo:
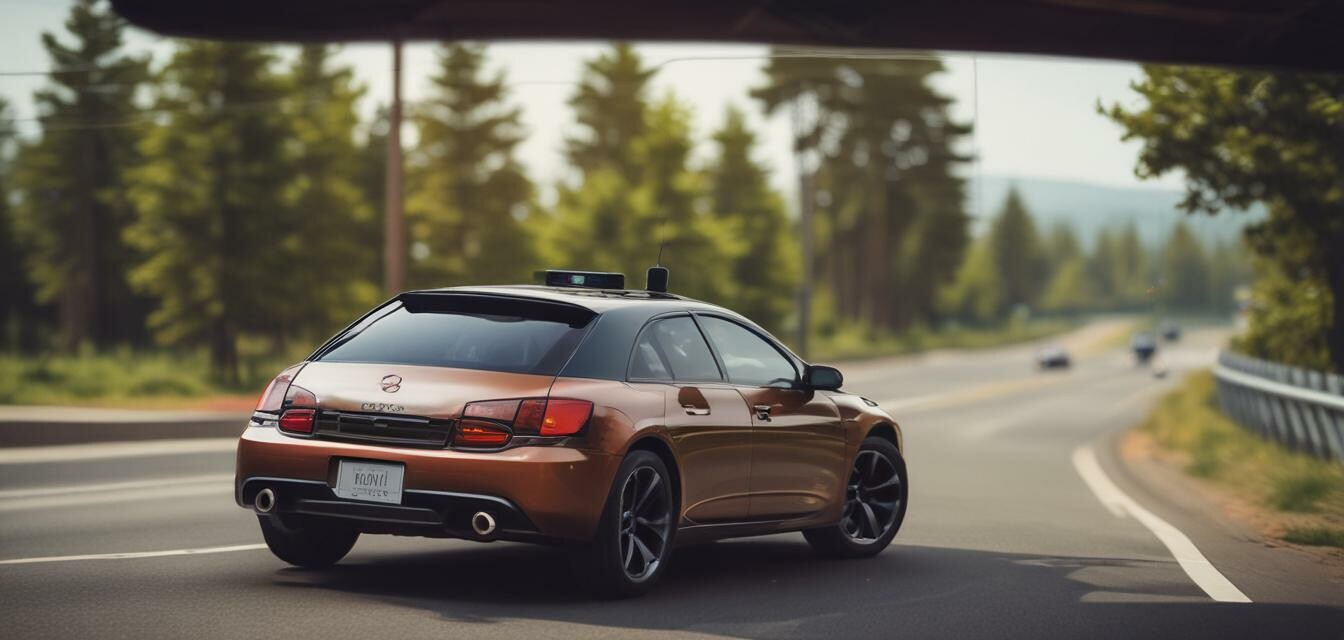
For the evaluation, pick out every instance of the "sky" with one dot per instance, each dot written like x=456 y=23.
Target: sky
x=1033 y=117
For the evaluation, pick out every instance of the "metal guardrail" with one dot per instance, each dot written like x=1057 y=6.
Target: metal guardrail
x=1298 y=408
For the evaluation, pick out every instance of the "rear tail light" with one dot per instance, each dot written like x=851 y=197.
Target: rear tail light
x=483 y=422
x=473 y=433
x=565 y=417
x=298 y=421
x=273 y=398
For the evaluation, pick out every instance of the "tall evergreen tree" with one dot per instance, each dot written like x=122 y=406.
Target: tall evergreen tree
x=1018 y=257
x=332 y=259
x=211 y=193
x=740 y=194
x=1185 y=275
x=610 y=105
x=640 y=198
x=16 y=292
x=72 y=211
x=469 y=196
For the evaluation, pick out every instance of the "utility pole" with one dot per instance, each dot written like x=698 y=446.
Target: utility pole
x=394 y=221
x=805 y=202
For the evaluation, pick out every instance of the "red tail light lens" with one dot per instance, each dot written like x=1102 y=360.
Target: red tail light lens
x=565 y=417
x=471 y=433
x=529 y=416
x=501 y=410
x=298 y=421
x=273 y=398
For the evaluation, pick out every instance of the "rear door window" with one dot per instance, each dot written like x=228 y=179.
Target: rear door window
x=673 y=349
x=475 y=334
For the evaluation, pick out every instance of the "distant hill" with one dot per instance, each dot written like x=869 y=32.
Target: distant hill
x=1091 y=208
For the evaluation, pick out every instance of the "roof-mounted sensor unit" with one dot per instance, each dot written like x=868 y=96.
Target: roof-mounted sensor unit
x=584 y=279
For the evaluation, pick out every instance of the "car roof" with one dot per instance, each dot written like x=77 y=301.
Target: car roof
x=595 y=300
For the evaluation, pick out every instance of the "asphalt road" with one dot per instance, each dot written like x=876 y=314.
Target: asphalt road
x=1004 y=538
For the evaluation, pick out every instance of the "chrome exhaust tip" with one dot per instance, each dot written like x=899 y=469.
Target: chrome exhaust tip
x=483 y=523
x=265 y=501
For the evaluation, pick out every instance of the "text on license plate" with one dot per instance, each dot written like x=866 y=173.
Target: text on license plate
x=370 y=481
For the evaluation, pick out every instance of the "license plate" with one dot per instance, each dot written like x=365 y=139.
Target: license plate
x=369 y=481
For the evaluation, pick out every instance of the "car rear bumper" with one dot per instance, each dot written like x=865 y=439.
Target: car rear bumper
x=547 y=492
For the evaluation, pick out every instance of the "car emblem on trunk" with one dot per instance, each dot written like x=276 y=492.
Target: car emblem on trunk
x=391 y=384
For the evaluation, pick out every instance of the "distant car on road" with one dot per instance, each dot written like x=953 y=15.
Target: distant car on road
x=1171 y=332
x=1052 y=357
x=609 y=421
x=1144 y=346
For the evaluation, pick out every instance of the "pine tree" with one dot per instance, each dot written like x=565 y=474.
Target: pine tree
x=741 y=196
x=1018 y=257
x=332 y=265
x=610 y=105
x=16 y=292
x=1185 y=279
x=469 y=197
x=212 y=213
x=72 y=211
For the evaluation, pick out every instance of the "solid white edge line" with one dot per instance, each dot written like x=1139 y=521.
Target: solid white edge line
x=136 y=554
x=1200 y=570
x=215 y=478
x=112 y=450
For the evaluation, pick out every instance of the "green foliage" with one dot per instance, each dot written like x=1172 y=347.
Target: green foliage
x=329 y=216
x=1315 y=536
x=1020 y=263
x=17 y=308
x=643 y=198
x=1242 y=137
x=1290 y=318
x=610 y=108
x=1185 y=270
x=889 y=199
x=71 y=208
x=469 y=203
x=210 y=194
x=1187 y=421
x=741 y=197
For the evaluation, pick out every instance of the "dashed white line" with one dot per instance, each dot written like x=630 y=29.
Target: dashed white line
x=136 y=554
x=1200 y=570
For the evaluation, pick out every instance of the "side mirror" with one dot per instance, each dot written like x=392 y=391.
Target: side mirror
x=820 y=376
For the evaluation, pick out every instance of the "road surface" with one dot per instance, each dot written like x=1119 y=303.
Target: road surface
x=1021 y=524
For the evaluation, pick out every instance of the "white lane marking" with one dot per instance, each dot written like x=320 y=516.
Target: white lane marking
x=216 y=478
x=100 y=498
x=1200 y=570
x=137 y=554
x=108 y=450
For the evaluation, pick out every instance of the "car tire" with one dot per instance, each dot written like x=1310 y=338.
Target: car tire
x=638 y=523
x=876 y=496
x=309 y=545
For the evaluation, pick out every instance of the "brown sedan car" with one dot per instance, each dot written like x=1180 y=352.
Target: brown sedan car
x=610 y=420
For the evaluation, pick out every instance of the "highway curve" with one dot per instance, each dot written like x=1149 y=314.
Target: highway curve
x=1022 y=523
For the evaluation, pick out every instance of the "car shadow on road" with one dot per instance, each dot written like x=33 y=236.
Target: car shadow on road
x=776 y=588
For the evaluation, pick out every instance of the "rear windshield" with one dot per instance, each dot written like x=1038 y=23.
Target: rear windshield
x=466 y=333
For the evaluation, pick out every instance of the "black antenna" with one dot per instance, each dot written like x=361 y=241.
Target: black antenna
x=656 y=279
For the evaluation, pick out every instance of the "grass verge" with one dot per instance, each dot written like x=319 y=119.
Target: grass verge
x=1299 y=499
x=129 y=378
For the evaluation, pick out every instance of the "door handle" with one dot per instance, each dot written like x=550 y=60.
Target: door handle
x=762 y=412
x=695 y=411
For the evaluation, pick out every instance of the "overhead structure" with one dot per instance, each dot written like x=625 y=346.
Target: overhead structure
x=1305 y=34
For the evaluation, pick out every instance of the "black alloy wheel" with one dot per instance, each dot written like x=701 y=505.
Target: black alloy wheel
x=646 y=522
x=873 y=498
